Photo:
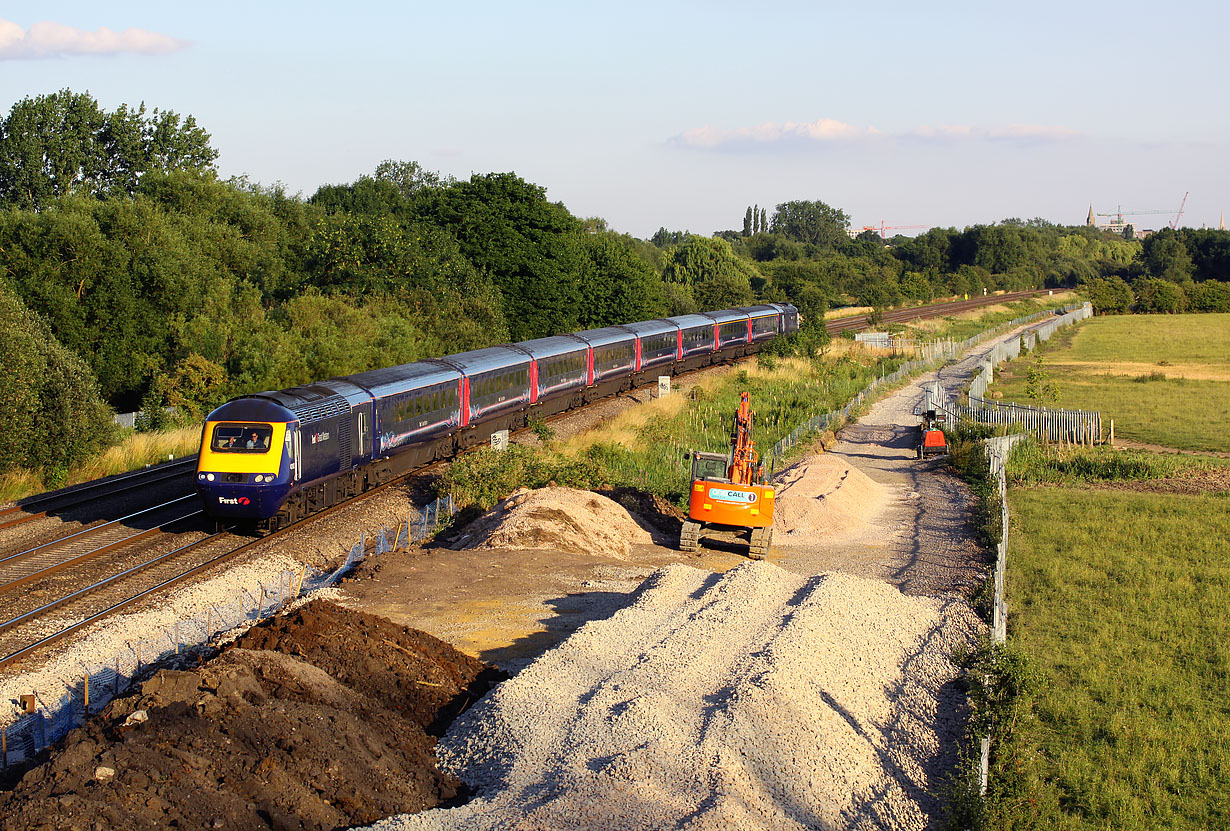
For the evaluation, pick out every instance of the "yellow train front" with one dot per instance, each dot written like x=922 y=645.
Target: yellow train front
x=245 y=468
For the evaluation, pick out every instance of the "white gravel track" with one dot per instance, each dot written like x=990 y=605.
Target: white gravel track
x=751 y=699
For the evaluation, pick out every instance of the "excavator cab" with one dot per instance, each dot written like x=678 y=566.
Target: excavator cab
x=711 y=466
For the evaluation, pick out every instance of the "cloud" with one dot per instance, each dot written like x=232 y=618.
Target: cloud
x=821 y=130
x=827 y=131
x=55 y=40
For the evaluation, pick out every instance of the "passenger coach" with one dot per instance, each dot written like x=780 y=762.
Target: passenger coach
x=276 y=457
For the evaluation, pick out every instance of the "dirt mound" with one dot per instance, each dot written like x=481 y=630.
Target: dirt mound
x=566 y=519
x=825 y=495
x=321 y=719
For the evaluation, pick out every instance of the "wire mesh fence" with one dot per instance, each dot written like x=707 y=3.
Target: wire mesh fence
x=1050 y=423
x=97 y=682
x=930 y=354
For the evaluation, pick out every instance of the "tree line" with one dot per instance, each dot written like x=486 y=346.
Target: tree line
x=151 y=282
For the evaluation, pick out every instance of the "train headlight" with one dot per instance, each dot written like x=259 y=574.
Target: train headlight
x=209 y=477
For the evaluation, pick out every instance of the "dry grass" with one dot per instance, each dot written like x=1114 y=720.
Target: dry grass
x=136 y=451
x=18 y=484
x=625 y=428
x=1194 y=372
x=846 y=311
x=141 y=449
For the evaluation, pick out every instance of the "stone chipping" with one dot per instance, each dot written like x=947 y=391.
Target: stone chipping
x=752 y=699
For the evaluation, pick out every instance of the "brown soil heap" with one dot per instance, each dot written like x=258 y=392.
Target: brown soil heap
x=322 y=719
x=565 y=519
x=825 y=495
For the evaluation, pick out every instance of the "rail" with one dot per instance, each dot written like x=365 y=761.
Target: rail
x=106 y=677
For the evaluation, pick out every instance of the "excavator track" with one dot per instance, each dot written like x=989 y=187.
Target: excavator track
x=762 y=539
x=689 y=536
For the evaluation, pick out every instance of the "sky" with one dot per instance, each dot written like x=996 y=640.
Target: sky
x=682 y=114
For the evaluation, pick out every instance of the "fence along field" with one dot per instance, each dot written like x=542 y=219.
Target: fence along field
x=1117 y=599
x=1164 y=379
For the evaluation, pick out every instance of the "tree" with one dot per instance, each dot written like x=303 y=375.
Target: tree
x=621 y=286
x=1038 y=386
x=814 y=223
x=64 y=144
x=1166 y=257
x=711 y=272
x=747 y=222
x=1155 y=296
x=764 y=220
x=408 y=177
x=531 y=247
x=1210 y=253
x=916 y=286
x=52 y=413
x=1210 y=296
x=1109 y=295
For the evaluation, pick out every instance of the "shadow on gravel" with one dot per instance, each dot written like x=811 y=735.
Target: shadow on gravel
x=571 y=612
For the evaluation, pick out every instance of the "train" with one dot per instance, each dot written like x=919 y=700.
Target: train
x=273 y=458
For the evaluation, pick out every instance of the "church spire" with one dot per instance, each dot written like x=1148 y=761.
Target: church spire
x=1090 y=221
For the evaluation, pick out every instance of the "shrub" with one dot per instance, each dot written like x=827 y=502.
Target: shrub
x=50 y=406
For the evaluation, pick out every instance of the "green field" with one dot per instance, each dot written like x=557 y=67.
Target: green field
x=1164 y=379
x=1119 y=600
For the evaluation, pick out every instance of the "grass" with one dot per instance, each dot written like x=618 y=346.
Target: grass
x=1118 y=601
x=976 y=321
x=136 y=450
x=645 y=447
x=1035 y=464
x=1164 y=379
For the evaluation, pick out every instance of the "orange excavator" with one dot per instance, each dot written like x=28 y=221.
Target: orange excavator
x=728 y=492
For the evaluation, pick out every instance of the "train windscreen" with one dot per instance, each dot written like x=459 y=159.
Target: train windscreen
x=241 y=438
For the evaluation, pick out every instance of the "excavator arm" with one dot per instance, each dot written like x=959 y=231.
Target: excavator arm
x=743 y=456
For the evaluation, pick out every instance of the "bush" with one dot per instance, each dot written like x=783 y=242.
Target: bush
x=1109 y=295
x=1157 y=296
x=50 y=406
x=484 y=477
x=1210 y=296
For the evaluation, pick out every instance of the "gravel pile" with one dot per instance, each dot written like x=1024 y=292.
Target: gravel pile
x=825 y=494
x=565 y=519
x=751 y=699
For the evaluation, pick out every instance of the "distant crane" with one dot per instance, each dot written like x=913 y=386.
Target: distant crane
x=1120 y=214
x=1179 y=216
x=884 y=229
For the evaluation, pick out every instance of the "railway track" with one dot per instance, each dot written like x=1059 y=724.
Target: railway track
x=70 y=576
x=78 y=498
x=147 y=571
x=856 y=322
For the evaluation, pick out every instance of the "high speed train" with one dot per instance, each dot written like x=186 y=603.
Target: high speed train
x=275 y=457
